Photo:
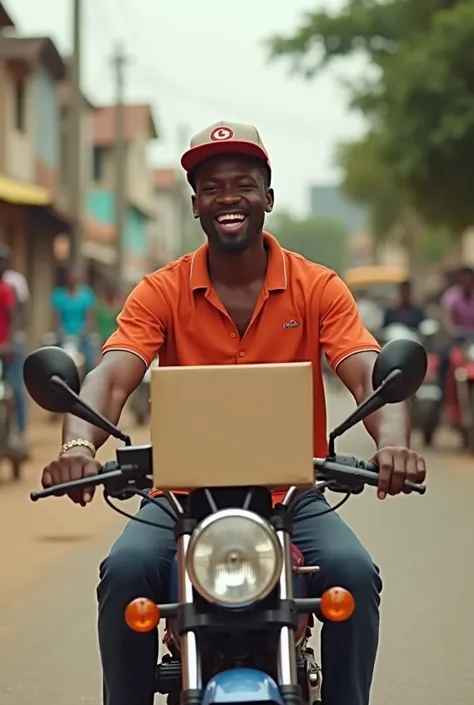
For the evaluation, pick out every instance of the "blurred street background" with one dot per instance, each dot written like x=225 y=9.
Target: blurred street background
x=367 y=111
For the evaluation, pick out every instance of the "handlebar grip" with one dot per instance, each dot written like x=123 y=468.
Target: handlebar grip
x=110 y=471
x=408 y=484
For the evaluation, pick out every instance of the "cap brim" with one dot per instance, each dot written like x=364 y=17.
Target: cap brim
x=196 y=155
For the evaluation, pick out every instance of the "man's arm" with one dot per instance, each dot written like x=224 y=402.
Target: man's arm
x=352 y=352
x=106 y=389
x=127 y=354
x=390 y=426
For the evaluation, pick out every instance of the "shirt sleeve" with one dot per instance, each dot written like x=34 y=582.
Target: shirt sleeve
x=22 y=289
x=448 y=299
x=341 y=330
x=142 y=323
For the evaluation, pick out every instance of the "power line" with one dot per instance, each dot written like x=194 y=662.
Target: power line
x=280 y=123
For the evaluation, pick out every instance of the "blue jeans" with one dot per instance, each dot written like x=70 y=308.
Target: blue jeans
x=14 y=377
x=139 y=566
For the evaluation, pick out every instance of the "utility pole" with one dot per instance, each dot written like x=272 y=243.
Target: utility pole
x=75 y=140
x=119 y=61
x=184 y=203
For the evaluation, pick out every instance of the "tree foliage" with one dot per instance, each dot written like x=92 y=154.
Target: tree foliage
x=320 y=240
x=368 y=180
x=420 y=102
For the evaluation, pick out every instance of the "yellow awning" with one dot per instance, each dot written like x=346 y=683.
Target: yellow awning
x=21 y=193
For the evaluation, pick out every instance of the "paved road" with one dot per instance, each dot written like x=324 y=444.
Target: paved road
x=48 y=565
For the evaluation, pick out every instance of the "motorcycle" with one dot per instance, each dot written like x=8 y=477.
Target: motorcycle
x=239 y=620
x=458 y=407
x=425 y=405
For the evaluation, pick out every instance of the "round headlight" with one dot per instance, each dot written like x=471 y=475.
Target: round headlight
x=234 y=558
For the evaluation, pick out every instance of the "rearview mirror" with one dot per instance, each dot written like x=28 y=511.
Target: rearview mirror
x=52 y=381
x=38 y=370
x=399 y=370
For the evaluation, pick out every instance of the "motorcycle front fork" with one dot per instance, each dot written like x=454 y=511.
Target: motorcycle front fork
x=311 y=678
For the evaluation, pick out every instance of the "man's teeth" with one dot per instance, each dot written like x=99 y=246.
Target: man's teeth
x=231 y=218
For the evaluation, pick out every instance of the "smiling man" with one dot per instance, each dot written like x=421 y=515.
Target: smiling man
x=238 y=299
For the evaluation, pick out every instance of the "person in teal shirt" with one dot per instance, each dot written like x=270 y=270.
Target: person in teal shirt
x=108 y=308
x=73 y=306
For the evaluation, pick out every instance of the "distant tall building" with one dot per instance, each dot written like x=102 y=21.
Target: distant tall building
x=330 y=202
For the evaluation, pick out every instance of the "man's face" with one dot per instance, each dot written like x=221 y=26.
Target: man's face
x=231 y=201
x=405 y=294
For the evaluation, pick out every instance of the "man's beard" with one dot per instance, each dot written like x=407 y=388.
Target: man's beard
x=232 y=245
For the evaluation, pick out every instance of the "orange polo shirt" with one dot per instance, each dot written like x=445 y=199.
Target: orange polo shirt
x=304 y=310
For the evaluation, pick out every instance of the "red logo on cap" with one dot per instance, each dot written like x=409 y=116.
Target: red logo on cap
x=220 y=134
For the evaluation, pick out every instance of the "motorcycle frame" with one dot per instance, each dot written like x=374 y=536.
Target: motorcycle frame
x=191 y=672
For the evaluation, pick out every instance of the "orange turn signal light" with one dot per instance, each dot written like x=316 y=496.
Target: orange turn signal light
x=337 y=604
x=142 y=615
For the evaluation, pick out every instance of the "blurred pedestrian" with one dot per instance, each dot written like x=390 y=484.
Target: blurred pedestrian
x=73 y=307
x=406 y=311
x=108 y=308
x=15 y=295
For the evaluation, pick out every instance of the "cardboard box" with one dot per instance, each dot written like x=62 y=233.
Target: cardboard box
x=218 y=426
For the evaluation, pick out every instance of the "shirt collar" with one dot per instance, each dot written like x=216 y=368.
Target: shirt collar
x=276 y=278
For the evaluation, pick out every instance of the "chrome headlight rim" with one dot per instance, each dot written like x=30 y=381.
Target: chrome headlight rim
x=234 y=513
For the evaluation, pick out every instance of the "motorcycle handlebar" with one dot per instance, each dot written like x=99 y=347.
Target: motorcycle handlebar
x=353 y=472
x=345 y=471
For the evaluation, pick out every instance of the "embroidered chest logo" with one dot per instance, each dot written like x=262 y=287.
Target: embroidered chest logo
x=291 y=324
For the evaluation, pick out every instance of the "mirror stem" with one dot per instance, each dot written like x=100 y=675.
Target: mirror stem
x=373 y=403
x=91 y=415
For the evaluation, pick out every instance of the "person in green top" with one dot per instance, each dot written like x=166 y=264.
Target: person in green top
x=108 y=308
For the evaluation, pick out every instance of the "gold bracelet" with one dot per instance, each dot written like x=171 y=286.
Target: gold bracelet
x=78 y=443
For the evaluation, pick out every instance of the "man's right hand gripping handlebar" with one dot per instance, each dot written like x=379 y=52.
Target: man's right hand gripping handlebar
x=73 y=463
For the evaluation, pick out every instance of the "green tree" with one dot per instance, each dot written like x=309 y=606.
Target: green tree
x=368 y=180
x=419 y=101
x=320 y=240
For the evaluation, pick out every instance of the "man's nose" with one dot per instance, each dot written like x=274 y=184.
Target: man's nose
x=229 y=197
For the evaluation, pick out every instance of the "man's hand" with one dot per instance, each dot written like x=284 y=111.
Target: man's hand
x=74 y=464
x=397 y=464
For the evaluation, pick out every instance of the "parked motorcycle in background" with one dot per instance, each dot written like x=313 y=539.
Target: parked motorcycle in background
x=425 y=405
x=458 y=407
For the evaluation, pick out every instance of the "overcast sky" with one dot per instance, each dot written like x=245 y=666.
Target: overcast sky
x=199 y=62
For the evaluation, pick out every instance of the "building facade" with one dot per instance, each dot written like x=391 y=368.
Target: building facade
x=139 y=131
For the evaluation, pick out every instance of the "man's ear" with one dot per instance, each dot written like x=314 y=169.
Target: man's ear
x=269 y=200
x=195 y=211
